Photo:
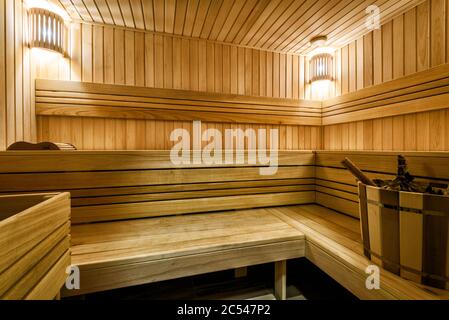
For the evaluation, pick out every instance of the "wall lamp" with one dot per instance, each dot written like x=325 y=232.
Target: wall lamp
x=46 y=30
x=320 y=64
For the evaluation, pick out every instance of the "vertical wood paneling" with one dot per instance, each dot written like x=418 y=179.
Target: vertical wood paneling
x=86 y=49
x=3 y=88
x=368 y=60
x=344 y=70
x=360 y=64
x=119 y=56
x=17 y=121
x=423 y=35
x=437 y=32
x=410 y=42
x=139 y=59
x=108 y=51
x=352 y=72
x=129 y=58
x=398 y=47
x=377 y=56
x=98 y=61
x=387 y=52
x=10 y=72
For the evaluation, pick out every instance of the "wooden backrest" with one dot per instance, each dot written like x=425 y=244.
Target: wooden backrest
x=82 y=99
x=336 y=188
x=423 y=91
x=116 y=185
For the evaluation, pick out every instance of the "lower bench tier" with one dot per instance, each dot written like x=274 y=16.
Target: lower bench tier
x=126 y=253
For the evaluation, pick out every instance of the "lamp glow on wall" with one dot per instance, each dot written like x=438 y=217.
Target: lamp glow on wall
x=46 y=30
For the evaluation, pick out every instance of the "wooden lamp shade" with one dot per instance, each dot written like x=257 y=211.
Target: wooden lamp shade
x=320 y=67
x=46 y=30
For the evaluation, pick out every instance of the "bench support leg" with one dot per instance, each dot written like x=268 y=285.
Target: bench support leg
x=280 y=280
x=240 y=272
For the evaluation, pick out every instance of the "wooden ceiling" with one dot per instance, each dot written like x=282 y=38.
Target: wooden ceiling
x=278 y=25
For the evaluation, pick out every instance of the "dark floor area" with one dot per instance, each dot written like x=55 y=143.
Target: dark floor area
x=304 y=281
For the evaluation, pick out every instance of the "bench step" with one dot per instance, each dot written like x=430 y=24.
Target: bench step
x=118 y=254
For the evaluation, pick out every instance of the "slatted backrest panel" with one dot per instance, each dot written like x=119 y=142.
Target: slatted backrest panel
x=422 y=91
x=336 y=188
x=136 y=184
x=82 y=99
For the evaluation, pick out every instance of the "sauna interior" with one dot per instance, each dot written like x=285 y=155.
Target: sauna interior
x=224 y=149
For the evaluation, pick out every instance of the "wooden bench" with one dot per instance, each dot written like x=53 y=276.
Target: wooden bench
x=336 y=189
x=276 y=218
x=334 y=244
x=114 y=194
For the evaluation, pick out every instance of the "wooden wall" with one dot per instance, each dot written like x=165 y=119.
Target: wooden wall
x=412 y=42
x=106 y=54
x=16 y=110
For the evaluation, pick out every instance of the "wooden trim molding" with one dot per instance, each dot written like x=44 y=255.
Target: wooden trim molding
x=81 y=99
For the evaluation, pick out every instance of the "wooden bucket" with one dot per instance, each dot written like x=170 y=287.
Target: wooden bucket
x=406 y=233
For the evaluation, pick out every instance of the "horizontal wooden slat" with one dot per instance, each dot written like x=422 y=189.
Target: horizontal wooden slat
x=37 y=274
x=345 y=206
x=80 y=194
x=58 y=161
x=431 y=165
x=23 y=266
x=124 y=275
x=183 y=206
x=215 y=103
x=187 y=195
x=343 y=176
x=50 y=285
x=423 y=91
x=81 y=99
x=101 y=179
x=151 y=114
x=170 y=94
x=336 y=185
x=338 y=193
x=26 y=229
x=105 y=192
